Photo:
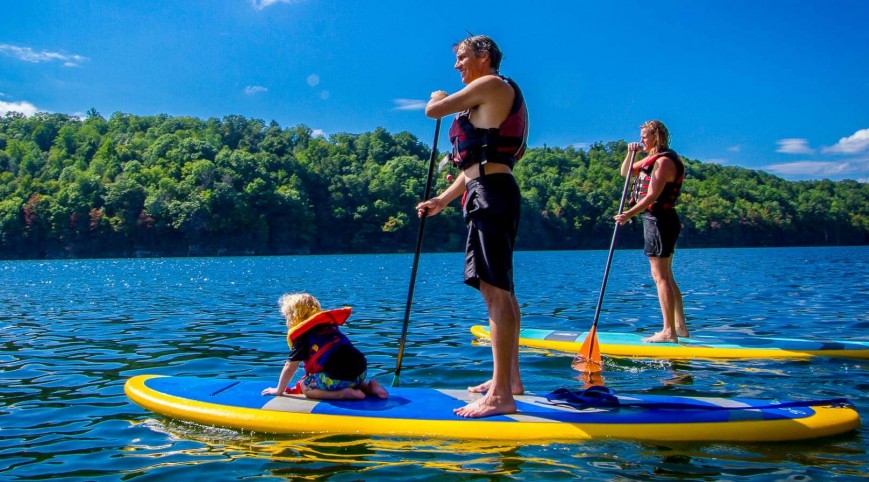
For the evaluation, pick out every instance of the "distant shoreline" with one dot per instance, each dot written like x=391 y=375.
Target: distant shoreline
x=145 y=186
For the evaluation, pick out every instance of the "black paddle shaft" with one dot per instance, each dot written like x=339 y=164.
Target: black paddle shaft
x=426 y=195
x=609 y=259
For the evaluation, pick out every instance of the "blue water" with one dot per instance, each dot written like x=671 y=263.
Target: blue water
x=73 y=331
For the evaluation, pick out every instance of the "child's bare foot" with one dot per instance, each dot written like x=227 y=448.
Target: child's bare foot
x=486 y=407
x=376 y=389
x=518 y=389
x=661 y=337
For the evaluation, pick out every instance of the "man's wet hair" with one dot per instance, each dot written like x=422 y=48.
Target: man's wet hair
x=481 y=43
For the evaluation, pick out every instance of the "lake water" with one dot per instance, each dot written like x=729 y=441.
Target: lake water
x=73 y=332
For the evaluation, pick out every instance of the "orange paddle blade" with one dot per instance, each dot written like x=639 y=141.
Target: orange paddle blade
x=588 y=359
x=590 y=379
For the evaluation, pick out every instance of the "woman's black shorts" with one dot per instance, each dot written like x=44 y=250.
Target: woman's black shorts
x=660 y=232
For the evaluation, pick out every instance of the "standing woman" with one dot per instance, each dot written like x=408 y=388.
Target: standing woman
x=488 y=136
x=655 y=192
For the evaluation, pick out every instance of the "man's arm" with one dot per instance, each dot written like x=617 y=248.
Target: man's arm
x=489 y=96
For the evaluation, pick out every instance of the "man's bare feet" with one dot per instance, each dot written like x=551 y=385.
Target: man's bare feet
x=661 y=337
x=486 y=407
x=518 y=389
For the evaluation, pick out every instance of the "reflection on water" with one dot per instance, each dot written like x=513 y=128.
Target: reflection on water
x=309 y=457
x=316 y=457
x=72 y=332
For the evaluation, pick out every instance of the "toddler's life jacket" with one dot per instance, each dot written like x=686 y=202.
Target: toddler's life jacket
x=323 y=336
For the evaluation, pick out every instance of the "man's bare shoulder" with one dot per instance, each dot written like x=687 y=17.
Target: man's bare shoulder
x=494 y=88
x=491 y=82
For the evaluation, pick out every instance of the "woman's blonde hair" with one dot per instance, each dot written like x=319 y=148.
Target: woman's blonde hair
x=298 y=307
x=659 y=133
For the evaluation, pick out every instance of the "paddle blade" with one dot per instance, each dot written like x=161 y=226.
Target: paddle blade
x=588 y=359
x=591 y=379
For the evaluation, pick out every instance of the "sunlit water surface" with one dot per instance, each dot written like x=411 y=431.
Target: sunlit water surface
x=73 y=332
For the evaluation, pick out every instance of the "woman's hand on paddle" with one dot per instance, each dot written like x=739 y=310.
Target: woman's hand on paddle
x=622 y=218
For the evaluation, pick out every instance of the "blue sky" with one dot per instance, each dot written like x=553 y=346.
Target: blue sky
x=781 y=86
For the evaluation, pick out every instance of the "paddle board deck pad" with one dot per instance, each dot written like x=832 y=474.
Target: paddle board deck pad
x=428 y=413
x=709 y=347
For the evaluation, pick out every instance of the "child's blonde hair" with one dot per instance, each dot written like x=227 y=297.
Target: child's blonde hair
x=298 y=307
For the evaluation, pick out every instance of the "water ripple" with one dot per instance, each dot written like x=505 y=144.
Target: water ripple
x=73 y=331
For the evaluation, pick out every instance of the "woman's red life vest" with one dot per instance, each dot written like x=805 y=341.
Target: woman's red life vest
x=505 y=144
x=668 y=197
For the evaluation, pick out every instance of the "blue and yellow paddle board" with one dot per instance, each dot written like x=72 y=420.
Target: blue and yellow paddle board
x=428 y=413
x=708 y=347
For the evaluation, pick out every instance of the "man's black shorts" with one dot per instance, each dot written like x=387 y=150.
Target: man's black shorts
x=491 y=212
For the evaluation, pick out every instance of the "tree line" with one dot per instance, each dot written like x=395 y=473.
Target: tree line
x=178 y=186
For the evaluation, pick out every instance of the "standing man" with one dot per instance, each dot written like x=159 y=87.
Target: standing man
x=656 y=190
x=488 y=135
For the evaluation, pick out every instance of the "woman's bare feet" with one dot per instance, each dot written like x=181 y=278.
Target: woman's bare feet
x=486 y=407
x=518 y=389
x=662 y=337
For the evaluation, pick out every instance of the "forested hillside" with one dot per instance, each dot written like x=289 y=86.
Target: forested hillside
x=160 y=185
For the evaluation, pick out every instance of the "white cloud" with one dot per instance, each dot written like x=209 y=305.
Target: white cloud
x=812 y=168
x=857 y=143
x=318 y=133
x=24 y=107
x=736 y=148
x=408 y=104
x=254 y=89
x=313 y=80
x=794 y=146
x=261 y=4
x=27 y=54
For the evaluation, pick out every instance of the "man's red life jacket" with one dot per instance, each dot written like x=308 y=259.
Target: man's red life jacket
x=505 y=144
